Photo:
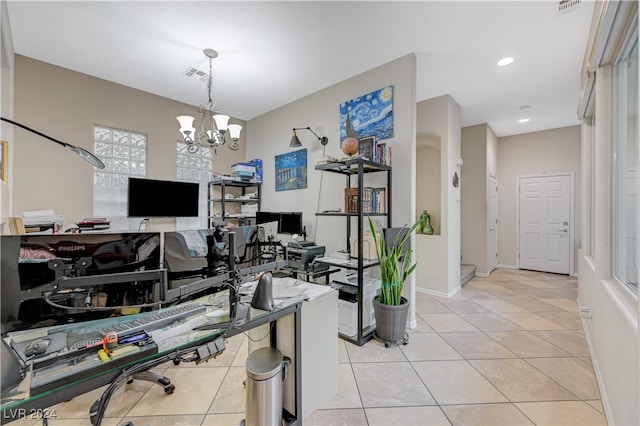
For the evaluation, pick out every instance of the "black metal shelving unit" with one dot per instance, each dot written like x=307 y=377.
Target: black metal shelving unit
x=224 y=186
x=358 y=168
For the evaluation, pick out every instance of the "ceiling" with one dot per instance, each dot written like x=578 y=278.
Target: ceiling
x=272 y=53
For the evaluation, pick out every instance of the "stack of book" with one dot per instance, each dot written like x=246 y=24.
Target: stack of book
x=94 y=224
x=382 y=154
x=374 y=200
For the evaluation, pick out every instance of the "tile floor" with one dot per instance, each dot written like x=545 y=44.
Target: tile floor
x=506 y=350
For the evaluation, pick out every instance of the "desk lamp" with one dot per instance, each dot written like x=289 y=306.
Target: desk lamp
x=86 y=155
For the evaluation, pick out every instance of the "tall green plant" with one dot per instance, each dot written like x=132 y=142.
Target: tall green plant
x=395 y=264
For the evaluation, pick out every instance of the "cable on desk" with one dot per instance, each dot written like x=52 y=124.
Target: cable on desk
x=95 y=308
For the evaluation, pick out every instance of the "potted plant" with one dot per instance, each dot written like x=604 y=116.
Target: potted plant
x=390 y=308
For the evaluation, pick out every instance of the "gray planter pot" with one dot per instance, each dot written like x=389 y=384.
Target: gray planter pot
x=391 y=321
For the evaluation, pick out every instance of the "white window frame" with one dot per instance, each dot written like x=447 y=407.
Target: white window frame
x=626 y=213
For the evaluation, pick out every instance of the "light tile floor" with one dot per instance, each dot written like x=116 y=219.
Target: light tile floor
x=506 y=350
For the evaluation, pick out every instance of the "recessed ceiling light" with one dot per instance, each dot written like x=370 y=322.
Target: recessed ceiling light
x=505 y=61
x=524 y=120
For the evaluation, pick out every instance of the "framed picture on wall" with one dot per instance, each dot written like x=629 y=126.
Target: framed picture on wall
x=4 y=160
x=366 y=147
x=291 y=170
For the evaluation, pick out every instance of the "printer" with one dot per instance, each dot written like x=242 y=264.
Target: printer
x=300 y=255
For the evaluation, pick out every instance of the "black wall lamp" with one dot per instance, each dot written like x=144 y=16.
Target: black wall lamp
x=295 y=142
x=86 y=155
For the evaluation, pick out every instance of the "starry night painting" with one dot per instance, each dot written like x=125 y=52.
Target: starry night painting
x=368 y=115
x=291 y=170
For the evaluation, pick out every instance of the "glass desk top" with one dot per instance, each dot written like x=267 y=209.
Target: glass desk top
x=62 y=366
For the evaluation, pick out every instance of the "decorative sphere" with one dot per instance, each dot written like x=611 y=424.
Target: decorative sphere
x=349 y=146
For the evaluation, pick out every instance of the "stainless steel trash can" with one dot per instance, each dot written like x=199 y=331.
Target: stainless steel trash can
x=266 y=370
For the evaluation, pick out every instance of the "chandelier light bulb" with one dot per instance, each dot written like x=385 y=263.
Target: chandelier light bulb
x=234 y=131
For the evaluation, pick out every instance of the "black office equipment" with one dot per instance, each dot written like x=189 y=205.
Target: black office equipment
x=58 y=278
x=162 y=198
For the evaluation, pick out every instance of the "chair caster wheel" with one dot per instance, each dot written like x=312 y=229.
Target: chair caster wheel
x=170 y=389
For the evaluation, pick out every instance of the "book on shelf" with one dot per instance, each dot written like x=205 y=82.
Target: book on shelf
x=374 y=200
x=382 y=154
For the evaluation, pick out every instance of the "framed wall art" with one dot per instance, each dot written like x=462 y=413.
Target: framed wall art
x=368 y=115
x=291 y=170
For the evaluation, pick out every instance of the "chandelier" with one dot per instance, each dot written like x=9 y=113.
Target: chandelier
x=216 y=125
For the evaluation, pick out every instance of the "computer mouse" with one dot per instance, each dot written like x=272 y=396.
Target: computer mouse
x=37 y=348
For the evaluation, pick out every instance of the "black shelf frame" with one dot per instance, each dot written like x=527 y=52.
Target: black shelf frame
x=358 y=167
x=224 y=184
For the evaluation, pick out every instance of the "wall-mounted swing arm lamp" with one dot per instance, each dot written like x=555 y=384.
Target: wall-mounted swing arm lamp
x=295 y=142
x=86 y=155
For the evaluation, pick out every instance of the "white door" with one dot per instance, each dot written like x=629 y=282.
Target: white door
x=544 y=234
x=492 y=225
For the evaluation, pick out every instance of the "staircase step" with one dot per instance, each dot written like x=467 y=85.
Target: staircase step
x=467 y=272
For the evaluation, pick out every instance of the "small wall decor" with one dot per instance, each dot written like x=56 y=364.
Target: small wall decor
x=4 y=161
x=368 y=115
x=291 y=170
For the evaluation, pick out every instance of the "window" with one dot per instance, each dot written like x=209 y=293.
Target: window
x=195 y=167
x=124 y=154
x=626 y=164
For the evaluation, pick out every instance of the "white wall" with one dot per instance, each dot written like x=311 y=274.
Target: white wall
x=269 y=135
x=438 y=256
x=612 y=330
x=536 y=153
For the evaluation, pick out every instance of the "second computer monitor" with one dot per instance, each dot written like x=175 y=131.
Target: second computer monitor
x=288 y=222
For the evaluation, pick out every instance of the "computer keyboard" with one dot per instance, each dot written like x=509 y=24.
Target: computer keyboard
x=155 y=319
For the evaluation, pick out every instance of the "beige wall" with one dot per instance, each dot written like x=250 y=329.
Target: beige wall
x=429 y=180
x=438 y=256
x=473 y=190
x=65 y=104
x=537 y=153
x=269 y=135
x=480 y=155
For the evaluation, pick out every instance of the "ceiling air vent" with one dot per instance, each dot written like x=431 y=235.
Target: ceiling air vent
x=566 y=6
x=195 y=72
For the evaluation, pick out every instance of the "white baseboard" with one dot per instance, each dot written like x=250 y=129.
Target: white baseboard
x=439 y=293
x=482 y=274
x=596 y=369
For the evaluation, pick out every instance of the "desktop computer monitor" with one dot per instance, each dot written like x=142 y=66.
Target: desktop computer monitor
x=291 y=223
x=288 y=222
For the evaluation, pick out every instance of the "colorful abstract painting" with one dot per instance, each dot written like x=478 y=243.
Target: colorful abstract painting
x=368 y=115
x=291 y=170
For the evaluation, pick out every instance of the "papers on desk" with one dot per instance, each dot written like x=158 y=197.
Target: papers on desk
x=287 y=291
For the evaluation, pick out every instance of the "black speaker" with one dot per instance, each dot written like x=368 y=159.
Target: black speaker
x=263 y=296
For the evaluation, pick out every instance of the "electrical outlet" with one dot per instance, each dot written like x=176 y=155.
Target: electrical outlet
x=585 y=312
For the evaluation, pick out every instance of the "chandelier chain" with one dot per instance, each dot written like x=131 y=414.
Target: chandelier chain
x=210 y=82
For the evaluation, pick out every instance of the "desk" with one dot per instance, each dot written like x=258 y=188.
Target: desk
x=19 y=402
x=311 y=275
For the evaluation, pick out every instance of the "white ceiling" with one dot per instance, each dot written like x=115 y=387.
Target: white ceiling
x=272 y=53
